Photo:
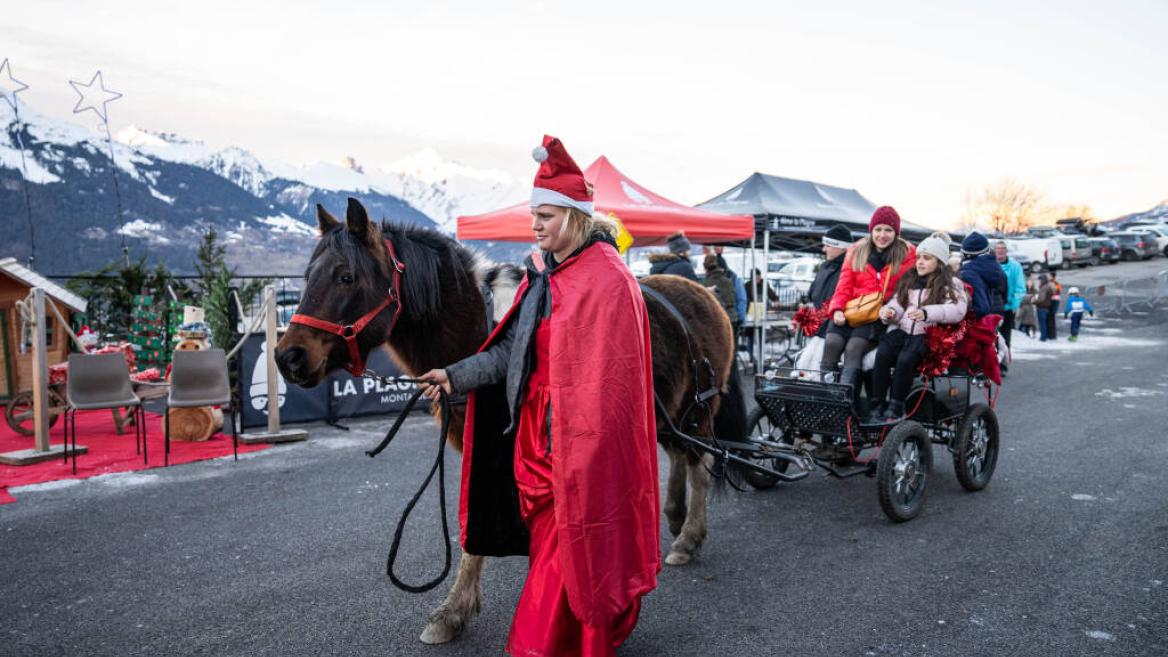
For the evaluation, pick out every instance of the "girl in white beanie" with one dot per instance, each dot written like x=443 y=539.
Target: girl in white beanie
x=929 y=294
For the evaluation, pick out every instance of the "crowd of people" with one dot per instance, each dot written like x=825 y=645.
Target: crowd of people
x=881 y=293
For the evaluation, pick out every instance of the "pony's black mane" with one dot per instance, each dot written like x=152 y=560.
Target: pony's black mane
x=424 y=251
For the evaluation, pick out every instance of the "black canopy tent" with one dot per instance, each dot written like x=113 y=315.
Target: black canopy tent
x=794 y=214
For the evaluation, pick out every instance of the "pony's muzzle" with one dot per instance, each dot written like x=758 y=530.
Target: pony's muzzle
x=293 y=363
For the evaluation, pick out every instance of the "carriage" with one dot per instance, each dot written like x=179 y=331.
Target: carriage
x=803 y=423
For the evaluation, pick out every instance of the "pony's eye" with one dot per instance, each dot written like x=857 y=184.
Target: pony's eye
x=346 y=279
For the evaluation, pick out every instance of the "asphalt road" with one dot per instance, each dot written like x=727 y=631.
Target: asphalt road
x=1066 y=552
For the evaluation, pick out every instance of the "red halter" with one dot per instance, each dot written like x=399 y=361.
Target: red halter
x=349 y=332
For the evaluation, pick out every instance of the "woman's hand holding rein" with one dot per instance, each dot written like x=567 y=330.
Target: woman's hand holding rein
x=432 y=381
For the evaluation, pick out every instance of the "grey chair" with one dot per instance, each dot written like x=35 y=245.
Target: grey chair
x=101 y=381
x=199 y=378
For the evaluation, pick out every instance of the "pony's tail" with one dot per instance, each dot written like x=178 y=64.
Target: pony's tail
x=730 y=424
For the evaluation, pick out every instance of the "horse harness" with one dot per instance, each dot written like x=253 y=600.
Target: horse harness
x=350 y=332
x=701 y=397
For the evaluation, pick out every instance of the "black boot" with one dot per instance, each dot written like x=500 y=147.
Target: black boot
x=895 y=410
x=879 y=409
x=851 y=376
x=830 y=372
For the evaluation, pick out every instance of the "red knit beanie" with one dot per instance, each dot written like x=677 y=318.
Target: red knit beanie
x=886 y=215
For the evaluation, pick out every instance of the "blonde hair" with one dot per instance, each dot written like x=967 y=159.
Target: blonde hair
x=582 y=225
x=897 y=253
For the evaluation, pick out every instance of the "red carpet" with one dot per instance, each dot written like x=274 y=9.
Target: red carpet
x=108 y=452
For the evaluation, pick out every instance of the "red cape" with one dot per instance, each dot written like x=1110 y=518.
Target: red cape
x=604 y=442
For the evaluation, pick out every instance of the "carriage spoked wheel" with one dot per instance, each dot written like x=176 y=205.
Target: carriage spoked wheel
x=902 y=473
x=19 y=412
x=976 y=453
x=762 y=429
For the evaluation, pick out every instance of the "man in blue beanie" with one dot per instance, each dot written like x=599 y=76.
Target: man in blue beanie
x=983 y=273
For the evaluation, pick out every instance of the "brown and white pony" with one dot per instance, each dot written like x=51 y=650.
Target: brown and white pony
x=443 y=319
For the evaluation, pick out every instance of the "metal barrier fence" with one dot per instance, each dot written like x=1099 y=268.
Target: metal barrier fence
x=1122 y=297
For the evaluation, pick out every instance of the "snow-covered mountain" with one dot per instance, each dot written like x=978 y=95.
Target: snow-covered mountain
x=173 y=188
x=445 y=190
x=1159 y=213
x=438 y=188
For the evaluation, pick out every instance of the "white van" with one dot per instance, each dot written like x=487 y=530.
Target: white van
x=1044 y=252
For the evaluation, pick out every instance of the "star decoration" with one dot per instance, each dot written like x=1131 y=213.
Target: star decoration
x=11 y=87
x=94 y=98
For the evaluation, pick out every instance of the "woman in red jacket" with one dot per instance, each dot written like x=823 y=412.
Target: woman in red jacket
x=873 y=264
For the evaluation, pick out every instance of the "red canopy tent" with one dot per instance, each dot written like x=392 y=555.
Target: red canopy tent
x=649 y=218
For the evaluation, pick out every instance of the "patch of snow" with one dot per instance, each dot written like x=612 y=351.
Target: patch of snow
x=150 y=231
x=285 y=224
x=126 y=479
x=46 y=485
x=1100 y=635
x=1128 y=391
x=1083 y=497
x=169 y=200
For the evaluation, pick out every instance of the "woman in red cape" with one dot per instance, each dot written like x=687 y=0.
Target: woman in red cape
x=559 y=451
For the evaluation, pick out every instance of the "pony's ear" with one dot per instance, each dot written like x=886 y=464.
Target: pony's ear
x=357 y=220
x=324 y=220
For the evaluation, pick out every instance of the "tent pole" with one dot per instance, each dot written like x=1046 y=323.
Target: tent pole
x=766 y=260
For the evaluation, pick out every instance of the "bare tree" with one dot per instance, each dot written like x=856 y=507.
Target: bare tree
x=1007 y=206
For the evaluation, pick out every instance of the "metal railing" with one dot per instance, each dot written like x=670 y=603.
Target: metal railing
x=1129 y=296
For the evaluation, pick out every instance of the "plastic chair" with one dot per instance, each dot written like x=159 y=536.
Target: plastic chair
x=199 y=378
x=101 y=381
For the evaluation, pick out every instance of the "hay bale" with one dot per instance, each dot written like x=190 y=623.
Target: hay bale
x=194 y=424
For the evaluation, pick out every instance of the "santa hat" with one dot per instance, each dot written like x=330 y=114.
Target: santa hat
x=559 y=181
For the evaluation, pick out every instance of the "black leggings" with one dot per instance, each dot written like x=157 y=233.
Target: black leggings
x=902 y=351
x=850 y=342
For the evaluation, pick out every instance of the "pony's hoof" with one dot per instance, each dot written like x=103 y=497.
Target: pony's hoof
x=678 y=559
x=437 y=633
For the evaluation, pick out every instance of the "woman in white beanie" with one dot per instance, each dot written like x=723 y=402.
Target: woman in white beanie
x=929 y=294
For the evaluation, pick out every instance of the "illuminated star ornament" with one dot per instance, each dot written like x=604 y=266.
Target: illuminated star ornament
x=9 y=86
x=94 y=96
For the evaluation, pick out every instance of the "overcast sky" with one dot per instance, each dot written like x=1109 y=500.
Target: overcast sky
x=912 y=104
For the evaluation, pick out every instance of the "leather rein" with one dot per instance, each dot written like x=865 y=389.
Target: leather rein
x=350 y=332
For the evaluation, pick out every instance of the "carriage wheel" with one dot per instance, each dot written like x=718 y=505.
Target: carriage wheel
x=906 y=459
x=976 y=453
x=19 y=414
x=762 y=429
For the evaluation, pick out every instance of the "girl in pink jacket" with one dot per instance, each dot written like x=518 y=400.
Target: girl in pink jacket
x=928 y=294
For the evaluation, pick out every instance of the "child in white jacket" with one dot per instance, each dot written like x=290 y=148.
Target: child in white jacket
x=927 y=295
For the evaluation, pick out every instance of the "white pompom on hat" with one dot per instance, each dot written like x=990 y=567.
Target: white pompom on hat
x=559 y=181
x=936 y=245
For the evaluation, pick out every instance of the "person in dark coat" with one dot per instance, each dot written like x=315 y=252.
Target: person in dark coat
x=836 y=241
x=675 y=262
x=740 y=303
x=772 y=297
x=981 y=270
x=719 y=282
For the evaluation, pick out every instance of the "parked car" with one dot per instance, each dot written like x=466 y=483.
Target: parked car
x=1044 y=253
x=1076 y=251
x=1104 y=250
x=1135 y=246
x=1020 y=258
x=798 y=274
x=1159 y=234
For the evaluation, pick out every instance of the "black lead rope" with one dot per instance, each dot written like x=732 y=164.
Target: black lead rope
x=438 y=467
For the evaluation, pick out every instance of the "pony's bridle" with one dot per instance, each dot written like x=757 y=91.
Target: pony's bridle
x=349 y=332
